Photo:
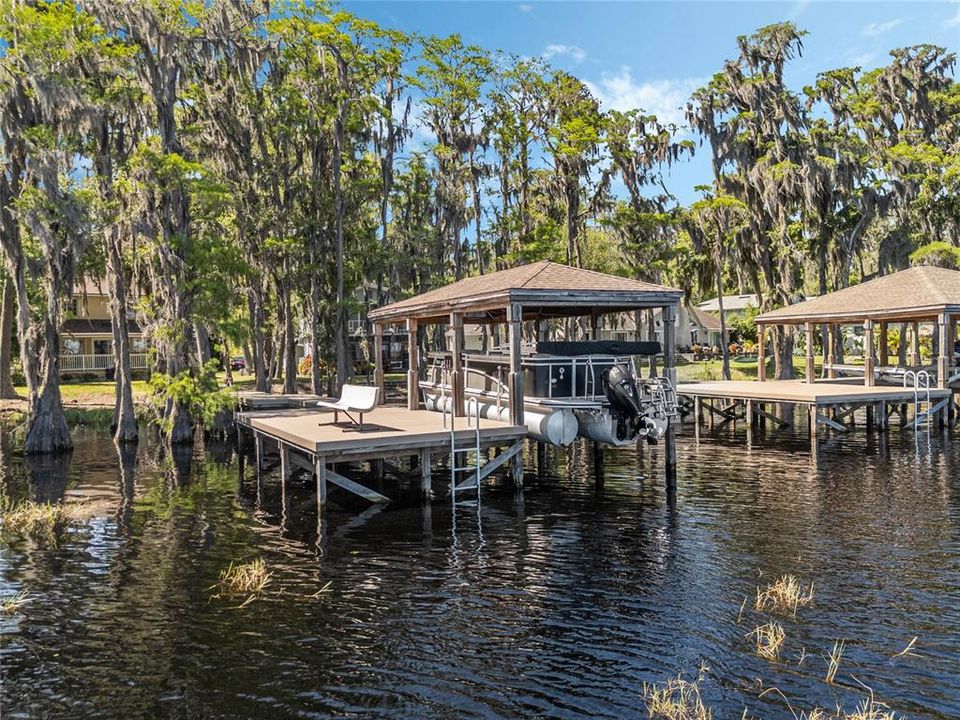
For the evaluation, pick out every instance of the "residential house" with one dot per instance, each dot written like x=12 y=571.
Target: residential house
x=86 y=341
x=733 y=305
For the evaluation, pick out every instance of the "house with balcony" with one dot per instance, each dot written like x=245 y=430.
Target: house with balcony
x=86 y=338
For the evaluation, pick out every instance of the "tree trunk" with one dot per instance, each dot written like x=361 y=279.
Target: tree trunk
x=290 y=344
x=124 y=413
x=724 y=344
x=6 y=339
x=48 y=431
x=258 y=337
x=202 y=338
x=340 y=325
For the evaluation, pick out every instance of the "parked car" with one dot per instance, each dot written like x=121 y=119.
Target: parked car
x=238 y=364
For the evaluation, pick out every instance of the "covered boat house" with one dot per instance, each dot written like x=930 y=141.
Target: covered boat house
x=883 y=384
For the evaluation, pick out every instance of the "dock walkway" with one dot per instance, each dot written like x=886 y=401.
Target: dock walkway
x=308 y=438
x=829 y=402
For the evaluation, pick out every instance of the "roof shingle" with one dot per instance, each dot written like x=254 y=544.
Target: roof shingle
x=917 y=292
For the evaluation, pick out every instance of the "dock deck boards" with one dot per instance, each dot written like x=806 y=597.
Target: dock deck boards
x=796 y=391
x=386 y=430
x=254 y=400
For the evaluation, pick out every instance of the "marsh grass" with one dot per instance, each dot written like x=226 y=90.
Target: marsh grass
x=769 y=639
x=249 y=580
x=907 y=651
x=42 y=522
x=834 y=663
x=784 y=595
x=868 y=709
x=12 y=603
x=676 y=699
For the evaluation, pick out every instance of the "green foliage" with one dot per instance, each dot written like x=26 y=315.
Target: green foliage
x=196 y=391
x=938 y=253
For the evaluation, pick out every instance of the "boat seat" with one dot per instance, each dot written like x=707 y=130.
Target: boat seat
x=358 y=399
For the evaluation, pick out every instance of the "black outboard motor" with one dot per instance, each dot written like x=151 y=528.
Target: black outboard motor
x=621 y=392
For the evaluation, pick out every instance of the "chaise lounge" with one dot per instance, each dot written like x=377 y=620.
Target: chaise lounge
x=353 y=399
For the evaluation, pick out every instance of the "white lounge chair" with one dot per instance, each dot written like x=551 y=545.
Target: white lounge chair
x=353 y=399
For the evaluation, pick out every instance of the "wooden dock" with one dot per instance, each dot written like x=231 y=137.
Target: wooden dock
x=829 y=402
x=308 y=438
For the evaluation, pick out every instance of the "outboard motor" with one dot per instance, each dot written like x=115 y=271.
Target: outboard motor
x=634 y=414
x=621 y=392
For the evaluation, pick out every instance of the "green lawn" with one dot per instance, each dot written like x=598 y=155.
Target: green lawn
x=704 y=370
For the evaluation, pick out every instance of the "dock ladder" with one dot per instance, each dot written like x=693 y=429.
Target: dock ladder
x=470 y=484
x=920 y=380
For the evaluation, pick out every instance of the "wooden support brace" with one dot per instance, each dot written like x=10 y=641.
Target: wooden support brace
x=355 y=487
x=824 y=420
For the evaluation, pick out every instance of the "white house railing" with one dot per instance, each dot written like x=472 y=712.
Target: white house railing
x=96 y=363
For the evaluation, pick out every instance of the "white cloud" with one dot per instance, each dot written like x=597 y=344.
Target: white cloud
x=663 y=98
x=577 y=54
x=876 y=29
x=860 y=59
x=525 y=7
x=954 y=21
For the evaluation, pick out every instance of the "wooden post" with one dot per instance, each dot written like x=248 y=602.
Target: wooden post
x=697 y=411
x=515 y=384
x=456 y=357
x=284 y=463
x=413 y=373
x=748 y=412
x=762 y=353
x=669 y=316
x=426 y=478
x=320 y=467
x=810 y=364
x=378 y=355
x=813 y=432
x=884 y=343
x=915 y=358
x=946 y=351
x=868 y=353
x=594 y=324
x=832 y=334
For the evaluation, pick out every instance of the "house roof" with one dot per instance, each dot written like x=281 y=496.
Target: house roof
x=920 y=292
x=731 y=303
x=88 y=326
x=708 y=321
x=545 y=289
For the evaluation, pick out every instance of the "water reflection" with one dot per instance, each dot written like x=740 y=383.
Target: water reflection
x=557 y=602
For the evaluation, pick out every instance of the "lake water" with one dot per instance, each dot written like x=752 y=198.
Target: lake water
x=560 y=602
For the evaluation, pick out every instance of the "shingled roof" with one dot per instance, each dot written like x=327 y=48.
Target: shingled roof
x=546 y=289
x=920 y=292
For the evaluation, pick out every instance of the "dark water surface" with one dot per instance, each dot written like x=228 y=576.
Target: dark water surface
x=560 y=602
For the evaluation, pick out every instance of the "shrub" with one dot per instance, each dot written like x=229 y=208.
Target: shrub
x=200 y=394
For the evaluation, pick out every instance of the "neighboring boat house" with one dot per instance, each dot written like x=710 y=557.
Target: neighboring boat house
x=86 y=344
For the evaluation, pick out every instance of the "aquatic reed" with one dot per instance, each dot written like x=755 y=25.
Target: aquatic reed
x=246 y=579
x=907 y=651
x=677 y=699
x=869 y=709
x=41 y=522
x=785 y=594
x=835 y=656
x=769 y=639
x=12 y=603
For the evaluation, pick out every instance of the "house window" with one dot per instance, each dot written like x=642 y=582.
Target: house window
x=101 y=347
x=72 y=307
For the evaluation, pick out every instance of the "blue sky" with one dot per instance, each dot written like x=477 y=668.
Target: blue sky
x=652 y=54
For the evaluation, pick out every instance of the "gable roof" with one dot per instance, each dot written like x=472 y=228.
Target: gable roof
x=546 y=289
x=708 y=321
x=919 y=292
x=731 y=303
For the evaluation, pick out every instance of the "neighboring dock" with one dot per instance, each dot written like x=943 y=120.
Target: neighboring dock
x=828 y=402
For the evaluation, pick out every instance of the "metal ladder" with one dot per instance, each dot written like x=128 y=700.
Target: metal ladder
x=921 y=395
x=455 y=468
